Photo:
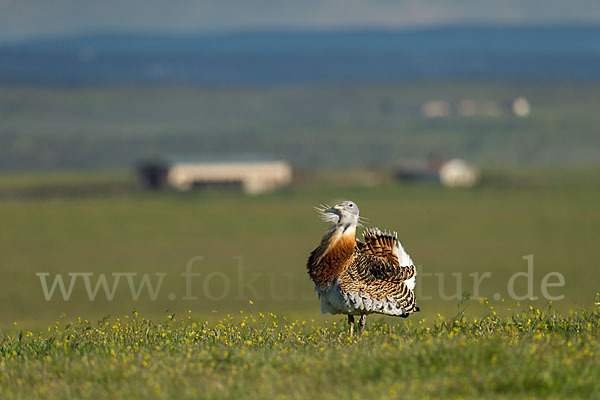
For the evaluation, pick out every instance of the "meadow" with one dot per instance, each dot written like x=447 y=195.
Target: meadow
x=532 y=353
x=250 y=324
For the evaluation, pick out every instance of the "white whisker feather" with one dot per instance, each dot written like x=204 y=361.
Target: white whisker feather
x=323 y=211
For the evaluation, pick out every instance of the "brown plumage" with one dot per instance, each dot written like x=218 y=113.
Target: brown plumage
x=357 y=278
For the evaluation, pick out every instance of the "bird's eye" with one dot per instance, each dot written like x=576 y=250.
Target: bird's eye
x=350 y=205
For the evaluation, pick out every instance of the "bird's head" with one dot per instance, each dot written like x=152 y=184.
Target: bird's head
x=344 y=213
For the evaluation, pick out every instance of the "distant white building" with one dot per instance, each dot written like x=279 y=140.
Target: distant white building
x=467 y=108
x=457 y=173
x=254 y=176
x=521 y=107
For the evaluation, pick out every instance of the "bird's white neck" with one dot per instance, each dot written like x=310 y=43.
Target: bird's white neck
x=346 y=231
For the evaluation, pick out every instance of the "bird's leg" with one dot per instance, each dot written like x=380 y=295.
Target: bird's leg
x=362 y=322
x=351 y=323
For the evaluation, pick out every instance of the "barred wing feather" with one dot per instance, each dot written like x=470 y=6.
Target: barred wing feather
x=387 y=258
x=382 y=271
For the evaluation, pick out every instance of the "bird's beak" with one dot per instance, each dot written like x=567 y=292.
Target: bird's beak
x=337 y=209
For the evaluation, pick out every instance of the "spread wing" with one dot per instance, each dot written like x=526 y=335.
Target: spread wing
x=385 y=258
x=381 y=276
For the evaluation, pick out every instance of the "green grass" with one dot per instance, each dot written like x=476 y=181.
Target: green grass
x=529 y=354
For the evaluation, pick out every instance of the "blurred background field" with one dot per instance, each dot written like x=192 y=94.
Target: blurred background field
x=551 y=213
x=310 y=125
x=67 y=203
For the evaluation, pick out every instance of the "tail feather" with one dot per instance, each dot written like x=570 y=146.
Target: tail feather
x=403 y=257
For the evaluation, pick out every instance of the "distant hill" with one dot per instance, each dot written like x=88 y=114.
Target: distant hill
x=543 y=53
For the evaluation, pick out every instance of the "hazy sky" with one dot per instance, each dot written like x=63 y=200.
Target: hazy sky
x=22 y=19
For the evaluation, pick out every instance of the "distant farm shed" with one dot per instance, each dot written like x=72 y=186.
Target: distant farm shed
x=450 y=173
x=254 y=175
x=457 y=173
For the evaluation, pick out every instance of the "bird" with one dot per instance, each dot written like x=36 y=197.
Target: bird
x=359 y=278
